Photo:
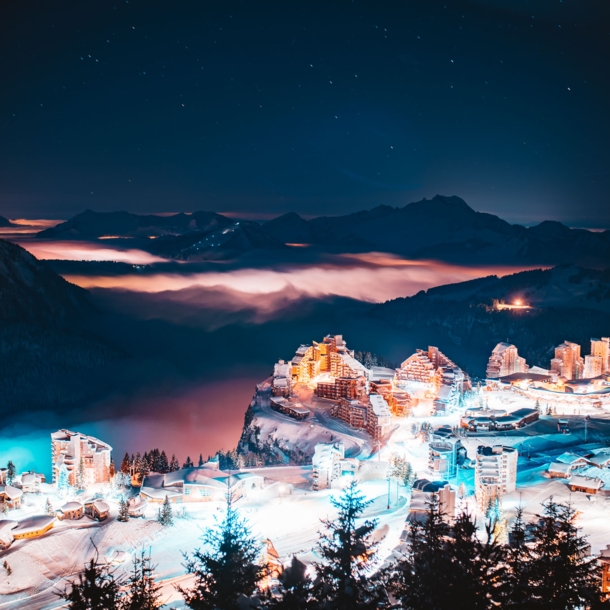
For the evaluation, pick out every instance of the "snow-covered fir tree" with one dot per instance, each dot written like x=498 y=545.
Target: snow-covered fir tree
x=165 y=514
x=11 y=471
x=227 y=569
x=348 y=556
x=63 y=481
x=142 y=592
x=123 y=510
x=48 y=508
x=174 y=464
x=80 y=475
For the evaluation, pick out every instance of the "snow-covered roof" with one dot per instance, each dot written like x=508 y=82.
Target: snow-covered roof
x=30 y=478
x=66 y=435
x=559 y=468
x=379 y=404
x=71 y=506
x=587 y=482
x=101 y=506
x=570 y=458
x=32 y=524
x=12 y=493
x=353 y=363
x=601 y=459
x=159 y=494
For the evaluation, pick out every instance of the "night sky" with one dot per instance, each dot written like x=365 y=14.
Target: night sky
x=259 y=108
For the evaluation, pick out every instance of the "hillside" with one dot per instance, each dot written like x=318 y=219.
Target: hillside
x=229 y=242
x=46 y=360
x=5 y=222
x=567 y=302
x=31 y=292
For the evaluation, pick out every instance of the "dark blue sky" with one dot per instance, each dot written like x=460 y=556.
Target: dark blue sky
x=317 y=107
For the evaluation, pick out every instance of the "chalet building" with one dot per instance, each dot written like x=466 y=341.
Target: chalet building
x=588 y=485
x=10 y=497
x=564 y=466
x=31 y=481
x=137 y=506
x=32 y=527
x=71 y=511
x=601 y=459
x=97 y=510
x=70 y=448
x=495 y=473
x=202 y=484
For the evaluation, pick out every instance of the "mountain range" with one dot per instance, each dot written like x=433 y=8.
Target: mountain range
x=5 y=222
x=442 y=228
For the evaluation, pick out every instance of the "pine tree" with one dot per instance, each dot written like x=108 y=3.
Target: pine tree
x=476 y=569
x=343 y=577
x=80 y=475
x=48 y=508
x=409 y=476
x=143 y=470
x=96 y=589
x=200 y=460
x=418 y=580
x=126 y=464
x=137 y=466
x=517 y=589
x=228 y=570
x=561 y=573
x=123 y=510
x=143 y=593
x=188 y=463
x=10 y=472
x=174 y=464
x=296 y=588
x=163 y=463
x=165 y=516
x=63 y=481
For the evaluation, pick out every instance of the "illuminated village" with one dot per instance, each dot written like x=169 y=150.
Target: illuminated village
x=424 y=429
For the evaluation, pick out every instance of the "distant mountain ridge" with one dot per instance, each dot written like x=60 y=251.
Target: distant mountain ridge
x=442 y=228
x=93 y=225
x=5 y=222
